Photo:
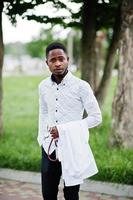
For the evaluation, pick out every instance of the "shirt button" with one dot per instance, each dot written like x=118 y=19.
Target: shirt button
x=56 y=110
x=56 y=121
x=56 y=99
x=57 y=88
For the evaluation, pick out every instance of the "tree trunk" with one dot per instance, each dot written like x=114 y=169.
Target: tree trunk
x=88 y=41
x=122 y=124
x=110 y=61
x=1 y=65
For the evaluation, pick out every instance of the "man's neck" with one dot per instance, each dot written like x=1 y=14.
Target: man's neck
x=59 y=78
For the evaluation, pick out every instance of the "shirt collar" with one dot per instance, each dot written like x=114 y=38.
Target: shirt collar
x=64 y=81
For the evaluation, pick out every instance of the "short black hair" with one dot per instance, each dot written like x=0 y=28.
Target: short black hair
x=55 y=45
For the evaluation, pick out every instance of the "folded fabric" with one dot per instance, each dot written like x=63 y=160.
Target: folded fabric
x=74 y=152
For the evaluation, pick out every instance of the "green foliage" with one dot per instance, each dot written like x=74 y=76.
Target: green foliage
x=36 y=47
x=15 y=49
x=15 y=7
x=19 y=148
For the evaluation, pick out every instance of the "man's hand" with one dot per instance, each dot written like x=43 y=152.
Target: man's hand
x=54 y=132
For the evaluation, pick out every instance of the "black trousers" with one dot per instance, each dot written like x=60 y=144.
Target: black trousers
x=50 y=175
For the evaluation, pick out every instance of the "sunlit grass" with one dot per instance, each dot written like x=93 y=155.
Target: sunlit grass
x=19 y=148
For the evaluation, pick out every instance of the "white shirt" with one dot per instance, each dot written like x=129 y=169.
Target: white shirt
x=65 y=102
x=74 y=152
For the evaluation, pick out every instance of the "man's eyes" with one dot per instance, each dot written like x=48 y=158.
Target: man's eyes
x=53 y=60
x=61 y=59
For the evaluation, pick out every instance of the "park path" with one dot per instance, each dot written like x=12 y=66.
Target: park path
x=16 y=190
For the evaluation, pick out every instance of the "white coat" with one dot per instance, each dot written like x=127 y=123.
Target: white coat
x=74 y=152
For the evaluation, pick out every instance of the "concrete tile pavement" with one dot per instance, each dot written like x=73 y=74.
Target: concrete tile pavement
x=16 y=190
x=20 y=185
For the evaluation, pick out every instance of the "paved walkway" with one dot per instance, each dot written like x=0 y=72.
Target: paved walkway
x=16 y=190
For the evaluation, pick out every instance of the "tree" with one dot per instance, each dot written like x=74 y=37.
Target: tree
x=90 y=17
x=110 y=59
x=36 y=47
x=1 y=64
x=12 y=8
x=15 y=48
x=122 y=125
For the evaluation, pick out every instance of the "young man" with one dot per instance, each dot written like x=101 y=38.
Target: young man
x=63 y=98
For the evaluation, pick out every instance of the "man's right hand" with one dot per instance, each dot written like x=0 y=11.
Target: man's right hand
x=54 y=132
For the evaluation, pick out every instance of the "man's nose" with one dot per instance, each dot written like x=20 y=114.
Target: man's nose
x=57 y=63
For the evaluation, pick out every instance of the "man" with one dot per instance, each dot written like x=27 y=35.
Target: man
x=63 y=98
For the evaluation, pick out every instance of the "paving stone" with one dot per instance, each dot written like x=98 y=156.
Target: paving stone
x=15 y=190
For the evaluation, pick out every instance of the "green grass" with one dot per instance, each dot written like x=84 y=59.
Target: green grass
x=19 y=148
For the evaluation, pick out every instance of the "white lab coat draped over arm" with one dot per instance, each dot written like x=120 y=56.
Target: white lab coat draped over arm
x=74 y=152
x=90 y=104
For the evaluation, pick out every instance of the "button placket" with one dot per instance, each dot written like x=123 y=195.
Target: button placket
x=56 y=106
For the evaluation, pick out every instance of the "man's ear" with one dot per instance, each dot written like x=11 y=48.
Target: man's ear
x=67 y=58
x=46 y=61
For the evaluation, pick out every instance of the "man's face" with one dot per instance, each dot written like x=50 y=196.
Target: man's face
x=57 y=61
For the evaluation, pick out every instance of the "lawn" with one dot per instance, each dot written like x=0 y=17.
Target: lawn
x=19 y=148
